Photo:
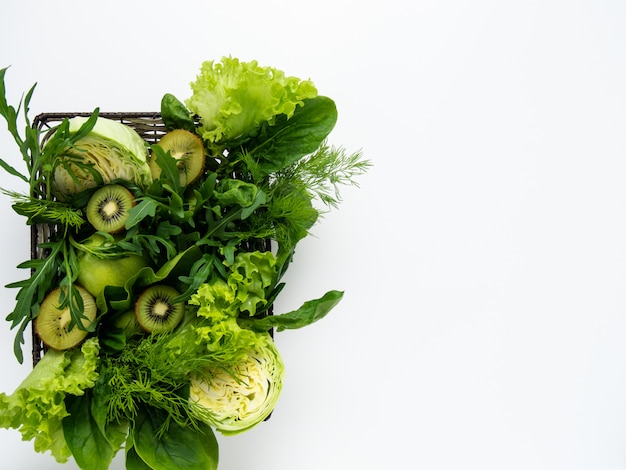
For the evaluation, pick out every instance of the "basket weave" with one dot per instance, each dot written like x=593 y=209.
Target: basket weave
x=151 y=128
x=148 y=125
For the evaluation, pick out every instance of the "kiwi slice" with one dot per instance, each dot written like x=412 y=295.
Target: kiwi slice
x=108 y=208
x=52 y=323
x=155 y=311
x=187 y=149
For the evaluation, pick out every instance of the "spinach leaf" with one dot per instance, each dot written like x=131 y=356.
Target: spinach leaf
x=289 y=139
x=134 y=462
x=90 y=448
x=164 y=444
x=310 y=312
x=175 y=115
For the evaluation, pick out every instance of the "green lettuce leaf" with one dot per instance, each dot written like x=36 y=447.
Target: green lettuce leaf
x=233 y=98
x=37 y=407
x=250 y=275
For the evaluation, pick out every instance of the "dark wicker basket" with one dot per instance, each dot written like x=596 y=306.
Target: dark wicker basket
x=148 y=125
x=151 y=128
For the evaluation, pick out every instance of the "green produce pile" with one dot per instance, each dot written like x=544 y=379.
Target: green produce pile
x=154 y=294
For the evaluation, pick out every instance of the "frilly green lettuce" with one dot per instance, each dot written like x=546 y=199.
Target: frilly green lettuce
x=251 y=274
x=233 y=98
x=111 y=151
x=244 y=291
x=37 y=406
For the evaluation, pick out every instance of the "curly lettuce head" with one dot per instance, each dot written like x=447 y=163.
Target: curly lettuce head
x=236 y=398
x=233 y=98
x=111 y=151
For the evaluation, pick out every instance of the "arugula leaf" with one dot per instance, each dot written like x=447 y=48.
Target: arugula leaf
x=9 y=113
x=169 y=168
x=32 y=292
x=145 y=207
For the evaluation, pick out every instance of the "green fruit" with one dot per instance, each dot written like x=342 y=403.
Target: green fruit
x=108 y=208
x=188 y=151
x=94 y=273
x=52 y=324
x=155 y=311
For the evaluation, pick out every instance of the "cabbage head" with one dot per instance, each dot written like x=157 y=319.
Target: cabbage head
x=233 y=98
x=234 y=399
x=111 y=151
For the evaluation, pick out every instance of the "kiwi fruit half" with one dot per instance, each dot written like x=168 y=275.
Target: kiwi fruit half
x=187 y=149
x=108 y=208
x=52 y=324
x=155 y=311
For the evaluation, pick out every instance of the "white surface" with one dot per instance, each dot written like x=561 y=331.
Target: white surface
x=483 y=257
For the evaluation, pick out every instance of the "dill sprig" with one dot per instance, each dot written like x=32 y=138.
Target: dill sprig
x=45 y=210
x=325 y=171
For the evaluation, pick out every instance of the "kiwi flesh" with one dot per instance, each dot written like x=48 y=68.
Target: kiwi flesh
x=108 y=208
x=187 y=149
x=155 y=311
x=52 y=324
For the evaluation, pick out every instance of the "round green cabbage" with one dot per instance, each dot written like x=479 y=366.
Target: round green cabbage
x=111 y=150
x=234 y=400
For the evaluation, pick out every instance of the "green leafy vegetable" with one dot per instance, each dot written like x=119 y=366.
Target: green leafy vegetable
x=37 y=407
x=83 y=434
x=181 y=447
x=290 y=138
x=175 y=115
x=310 y=312
x=233 y=98
x=43 y=211
x=223 y=241
x=110 y=151
x=237 y=398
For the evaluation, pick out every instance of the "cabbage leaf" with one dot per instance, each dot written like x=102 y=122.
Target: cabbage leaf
x=239 y=397
x=111 y=151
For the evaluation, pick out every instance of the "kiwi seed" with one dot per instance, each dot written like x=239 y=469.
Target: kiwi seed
x=52 y=324
x=108 y=208
x=187 y=149
x=155 y=311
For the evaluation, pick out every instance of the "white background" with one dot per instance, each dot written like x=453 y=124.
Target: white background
x=483 y=256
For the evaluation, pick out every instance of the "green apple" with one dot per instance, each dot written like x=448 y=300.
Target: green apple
x=94 y=273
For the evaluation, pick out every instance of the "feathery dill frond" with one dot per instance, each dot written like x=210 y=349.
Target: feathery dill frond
x=44 y=210
x=326 y=170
